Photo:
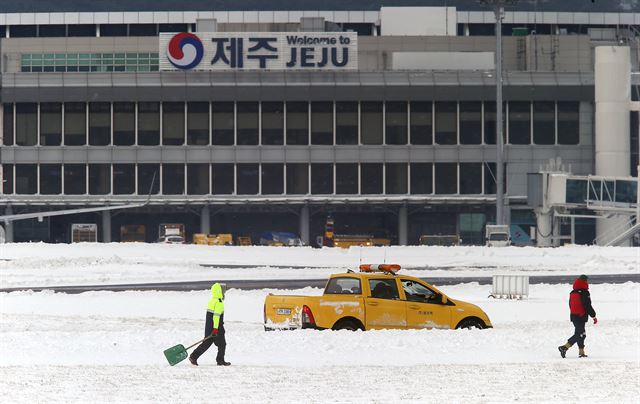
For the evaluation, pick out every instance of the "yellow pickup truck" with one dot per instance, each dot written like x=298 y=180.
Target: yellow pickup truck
x=372 y=300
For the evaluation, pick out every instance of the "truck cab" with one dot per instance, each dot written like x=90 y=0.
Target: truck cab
x=497 y=235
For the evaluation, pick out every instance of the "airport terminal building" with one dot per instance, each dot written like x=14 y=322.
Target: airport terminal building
x=249 y=121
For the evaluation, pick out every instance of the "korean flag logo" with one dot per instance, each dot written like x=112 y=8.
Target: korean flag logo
x=185 y=51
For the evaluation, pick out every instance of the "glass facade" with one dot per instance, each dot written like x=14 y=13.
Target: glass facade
x=50 y=179
x=198 y=179
x=197 y=123
x=529 y=123
x=322 y=123
x=173 y=123
x=470 y=122
x=321 y=179
x=272 y=123
x=124 y=179
x=346 y=122
x=148 y=123
x=371 y=127
x=88 y=62
x=75 y=179
x=75 y=123
x=272 y=179
x=252 y=179
x=519 y=122
x=124 y=123
x=421 y=118
x=99 y=123
x=347 y=178
x=222 y=179
x=446 y=178
x=396 y=122
x=297 y=178
x=247 y=119
x=222 y=123
x=50 y=124
x=26 y=124
x=297 y=123
x=446 y=123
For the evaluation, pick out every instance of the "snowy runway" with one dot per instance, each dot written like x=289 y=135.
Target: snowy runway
x=107 y=346
x=488 y=383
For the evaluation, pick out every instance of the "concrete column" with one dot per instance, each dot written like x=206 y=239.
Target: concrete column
x=403 y=228
x=304 y=224
x=613 y=104
x=8 y=226
x=556 y=233
x=544 y=229
x=106 y=226
x=205 y=219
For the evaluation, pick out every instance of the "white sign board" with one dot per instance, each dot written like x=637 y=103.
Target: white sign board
x=225 y=51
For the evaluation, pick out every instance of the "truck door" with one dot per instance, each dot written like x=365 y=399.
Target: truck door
x=424 y=307
x=383 y=306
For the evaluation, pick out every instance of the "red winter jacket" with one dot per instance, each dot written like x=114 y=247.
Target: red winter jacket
x=580 y=300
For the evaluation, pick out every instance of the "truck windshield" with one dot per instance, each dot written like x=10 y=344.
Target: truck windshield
x=498 y=237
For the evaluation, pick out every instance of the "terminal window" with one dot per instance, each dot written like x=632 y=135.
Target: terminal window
x=89 y=62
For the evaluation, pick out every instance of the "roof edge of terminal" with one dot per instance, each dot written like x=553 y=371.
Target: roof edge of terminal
x=45 y=6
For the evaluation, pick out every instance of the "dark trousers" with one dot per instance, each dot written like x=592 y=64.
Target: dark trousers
x=579 y=334
x=219 y=340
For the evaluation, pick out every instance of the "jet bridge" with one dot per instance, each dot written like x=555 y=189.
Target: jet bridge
x=557 y=194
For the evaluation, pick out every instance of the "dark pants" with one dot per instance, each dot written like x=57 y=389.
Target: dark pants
x=579 y=334
x=219 y=340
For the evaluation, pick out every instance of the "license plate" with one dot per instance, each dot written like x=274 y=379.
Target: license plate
x=284 y=312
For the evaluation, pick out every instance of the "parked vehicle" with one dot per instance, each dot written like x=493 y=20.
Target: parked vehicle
x=331 y=239
x=375 y=298
x=444 y=240
x=280 y=239
x=200 y=238
x=171 y=240
x=497 y=235
x=220 y=239
x=84 y=233
x=170 y=229
x=133 y=233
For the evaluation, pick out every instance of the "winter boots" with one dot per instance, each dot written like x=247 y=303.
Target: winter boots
x=193 y=361
x=223 y=363
x=563 y=349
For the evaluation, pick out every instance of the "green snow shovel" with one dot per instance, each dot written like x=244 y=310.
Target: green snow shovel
x=178 y=353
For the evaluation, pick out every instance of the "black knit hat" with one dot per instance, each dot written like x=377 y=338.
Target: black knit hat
x=583 y=277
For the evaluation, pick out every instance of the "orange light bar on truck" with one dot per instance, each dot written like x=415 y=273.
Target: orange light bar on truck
x=379 y=268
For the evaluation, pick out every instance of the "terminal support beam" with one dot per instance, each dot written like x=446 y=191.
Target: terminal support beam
x=8 y=226
x=403 y=233
x=106 y=226
x=205 y=220
x=304 y=224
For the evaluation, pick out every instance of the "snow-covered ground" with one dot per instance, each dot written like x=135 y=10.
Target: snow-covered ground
x=39 y=264
x=107 y=346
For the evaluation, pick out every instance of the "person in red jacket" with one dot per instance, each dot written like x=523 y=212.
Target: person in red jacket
x=581 y=309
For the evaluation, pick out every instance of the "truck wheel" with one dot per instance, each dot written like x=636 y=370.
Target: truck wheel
x=347 y=325
x=470 y=323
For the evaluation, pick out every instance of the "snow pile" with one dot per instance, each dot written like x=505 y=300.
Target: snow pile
x=39 y=264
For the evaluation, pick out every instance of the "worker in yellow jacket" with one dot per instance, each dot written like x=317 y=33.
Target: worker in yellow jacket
x=214 y=327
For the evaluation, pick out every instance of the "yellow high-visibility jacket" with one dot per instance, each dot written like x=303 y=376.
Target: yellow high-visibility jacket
x=216 y=304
